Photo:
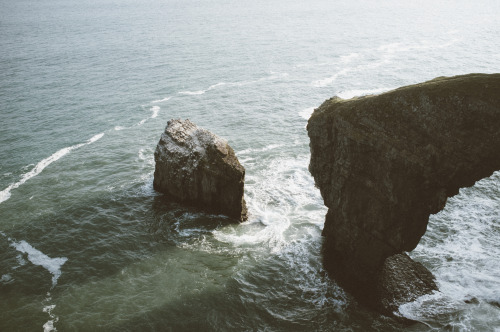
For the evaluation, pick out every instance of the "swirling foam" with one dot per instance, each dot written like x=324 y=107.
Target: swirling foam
x=266 y=148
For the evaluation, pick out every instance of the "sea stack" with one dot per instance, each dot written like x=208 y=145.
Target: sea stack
x=196 y=167
x=384 y=163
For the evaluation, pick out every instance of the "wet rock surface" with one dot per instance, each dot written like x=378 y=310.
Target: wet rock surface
x=196 y=167
x=384 y=163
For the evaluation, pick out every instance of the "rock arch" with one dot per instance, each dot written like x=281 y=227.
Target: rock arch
x=384 y=163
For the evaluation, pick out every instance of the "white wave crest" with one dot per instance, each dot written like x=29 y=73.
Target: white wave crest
x=272 y=76
x=155 y=110
x=287 y=192
x=306 y=113
x=349 y=57
x=92 y=140
x=216 y=85
x=267 y=230
x=266 y=148
x=192 y=93
x=48 y=308
x=49 y=325
x=53 y=265
x=5 y=194
x=20 y=261
x=6 y=278
x=160 y=100
x=211 y=87
x=329 y=80
x=118 y=128
x=422 y=45
x=428 y=306
x=348 y=94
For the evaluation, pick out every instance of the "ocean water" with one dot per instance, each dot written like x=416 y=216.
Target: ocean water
x=86 y=89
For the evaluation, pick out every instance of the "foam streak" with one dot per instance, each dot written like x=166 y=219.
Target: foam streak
x=192 y=93
x=53 y=265
x=5 y=194
x=161 y=100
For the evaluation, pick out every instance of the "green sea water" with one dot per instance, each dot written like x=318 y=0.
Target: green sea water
x=86 y=89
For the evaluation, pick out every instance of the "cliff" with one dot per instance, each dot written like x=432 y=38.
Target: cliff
x=384 y=163
x=197 y=167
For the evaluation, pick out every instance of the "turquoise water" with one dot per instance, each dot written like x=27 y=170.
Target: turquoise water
x=86 y=89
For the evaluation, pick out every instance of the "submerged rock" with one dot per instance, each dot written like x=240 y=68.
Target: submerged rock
x=197 y=167
x=384 y=163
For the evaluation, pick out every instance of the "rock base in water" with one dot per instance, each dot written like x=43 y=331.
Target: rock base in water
x=199 y=168
x=398 y=281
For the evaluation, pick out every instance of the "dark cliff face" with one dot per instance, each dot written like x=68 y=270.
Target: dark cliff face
x=384 y=163
x=199 y=168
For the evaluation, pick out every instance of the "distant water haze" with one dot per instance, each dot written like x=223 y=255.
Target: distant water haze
x=86 y=89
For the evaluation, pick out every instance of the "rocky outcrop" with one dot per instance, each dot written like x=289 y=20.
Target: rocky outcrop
x=399 y=281
x=384 y=163
x=197 y=167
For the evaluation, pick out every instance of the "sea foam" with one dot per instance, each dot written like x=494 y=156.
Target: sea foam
x=211 y=87
x=6 y=278
x=266 y=148
x=49 y=308
x=306 y=113
x=348 y=94
x=426 y=307
x=160 y=100
x=36 y=257
x=191 y=93
x=272 y=76
x=329 y=80
x=155 y=110
x=5 y=194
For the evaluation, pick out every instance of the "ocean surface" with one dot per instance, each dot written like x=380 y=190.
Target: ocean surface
x=87 y=88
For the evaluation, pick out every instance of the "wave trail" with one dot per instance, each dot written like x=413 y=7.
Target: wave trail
x=272 y=76
x=192 y=93
x=329 y=80
x=216 y=85
x=5 y=194
x=161 y=100
x=200 y=92
x=49 y=325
